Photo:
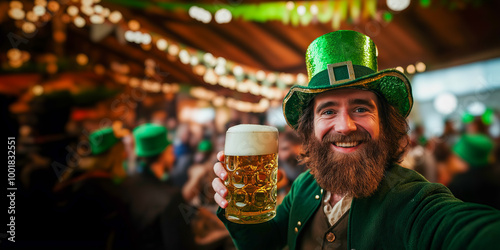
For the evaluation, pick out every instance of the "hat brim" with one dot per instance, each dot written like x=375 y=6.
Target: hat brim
x=391 y=84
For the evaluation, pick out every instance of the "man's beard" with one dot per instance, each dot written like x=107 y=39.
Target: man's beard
x=357 y=173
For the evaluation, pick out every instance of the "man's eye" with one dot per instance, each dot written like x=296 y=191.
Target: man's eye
x=328 y=112
x=360 y=110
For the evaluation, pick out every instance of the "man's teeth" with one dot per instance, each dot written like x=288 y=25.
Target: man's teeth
x=346 y=144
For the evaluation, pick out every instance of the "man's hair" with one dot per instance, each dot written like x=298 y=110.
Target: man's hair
x=393 y=124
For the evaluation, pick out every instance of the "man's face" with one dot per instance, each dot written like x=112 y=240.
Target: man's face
x=346 y=112
x=347 y=150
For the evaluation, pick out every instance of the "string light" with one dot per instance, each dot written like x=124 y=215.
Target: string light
x=37 y=90
x=301 y=10
x=398 y=5
x=215 y=70
x=161 y=44
x=420 y=66
x=28 y=27
x=410 y=69
x=223 y=16
x=16 y=14
x=115 y=16
x=79 y=22
x=72 y=10
x=39 y=10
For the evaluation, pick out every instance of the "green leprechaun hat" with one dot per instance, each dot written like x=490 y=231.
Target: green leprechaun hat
x=101 y=140
x=150 y=139
x=475 y=149
x=346 y=59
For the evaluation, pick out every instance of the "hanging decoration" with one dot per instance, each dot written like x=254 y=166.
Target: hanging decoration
x=214 y=70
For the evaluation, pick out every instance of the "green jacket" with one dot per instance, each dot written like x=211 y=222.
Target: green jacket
x=406 y=212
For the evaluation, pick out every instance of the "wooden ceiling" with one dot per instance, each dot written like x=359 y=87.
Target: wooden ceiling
x=436 y=35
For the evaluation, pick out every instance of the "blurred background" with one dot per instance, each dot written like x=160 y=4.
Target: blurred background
x=72 y=67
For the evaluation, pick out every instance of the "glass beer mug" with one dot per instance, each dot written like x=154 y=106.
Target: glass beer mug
x=251 y=161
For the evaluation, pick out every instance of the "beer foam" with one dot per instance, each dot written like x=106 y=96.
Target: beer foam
x=251 y=139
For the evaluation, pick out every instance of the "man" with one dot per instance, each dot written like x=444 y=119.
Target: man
x=354 y=195
x=153 y=204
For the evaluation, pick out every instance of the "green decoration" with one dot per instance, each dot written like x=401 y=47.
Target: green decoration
x=425 y=3
x=387 y=16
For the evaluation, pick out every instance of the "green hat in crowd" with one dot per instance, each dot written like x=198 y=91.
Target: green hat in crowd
x=475 y=149
x=101 y=140
x=150 y=139
x=205 y=146
x=346 y=59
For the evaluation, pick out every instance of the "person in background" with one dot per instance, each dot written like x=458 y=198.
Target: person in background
x=481 y=183
x=288 y=154
x=89 y=202
x=352 y=120
x=448 y=163
x=450 y=134
x=209 y=231
x=183 y=155
x=152 y=202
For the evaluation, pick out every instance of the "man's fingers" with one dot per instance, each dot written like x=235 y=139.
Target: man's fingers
x=220 y=192
x=221 y=201
x=220 y=171
x=219 y=187
x=220 y=156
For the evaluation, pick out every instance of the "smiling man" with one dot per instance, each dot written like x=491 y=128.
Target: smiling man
x=352 y=120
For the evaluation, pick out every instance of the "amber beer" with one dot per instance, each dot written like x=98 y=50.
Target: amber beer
x=251 y=160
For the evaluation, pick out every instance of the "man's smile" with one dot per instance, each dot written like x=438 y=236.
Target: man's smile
x=346 y=144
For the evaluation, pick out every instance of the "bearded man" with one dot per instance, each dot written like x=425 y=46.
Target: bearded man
x=352 y=119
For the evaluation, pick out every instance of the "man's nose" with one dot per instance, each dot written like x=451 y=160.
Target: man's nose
x=344 y=123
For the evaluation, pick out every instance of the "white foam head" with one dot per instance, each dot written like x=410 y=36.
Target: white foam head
x=251 y=139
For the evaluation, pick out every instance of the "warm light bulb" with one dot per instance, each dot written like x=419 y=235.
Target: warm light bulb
x=161 y=44
x=53 y=6
x=37 y=90
x=79 y=22
x=134 y=25
x=28 y=27
x=31 y=16
x=82 y=59
x=96 y=19
x=410 y=69
x=301 y=10
x=16 y=5
x=398 y=5
x=420 y=66
x=223 y=16
x=115 y=16
x=14 y=54
x=72 y=10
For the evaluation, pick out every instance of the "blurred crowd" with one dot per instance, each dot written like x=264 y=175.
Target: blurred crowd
x=464 y=158
x=135 y=180
x=143 y=180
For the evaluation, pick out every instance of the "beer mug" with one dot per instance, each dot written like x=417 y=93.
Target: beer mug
x=251 y=161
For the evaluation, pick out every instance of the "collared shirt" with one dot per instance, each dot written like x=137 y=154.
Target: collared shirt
x=340 y=208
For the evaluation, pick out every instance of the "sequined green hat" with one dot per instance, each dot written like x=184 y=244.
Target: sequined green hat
x=150 y=139
x=101 y=140
x=346 y=59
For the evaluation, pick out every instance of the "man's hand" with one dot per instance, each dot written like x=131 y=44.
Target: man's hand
x=218 y=184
